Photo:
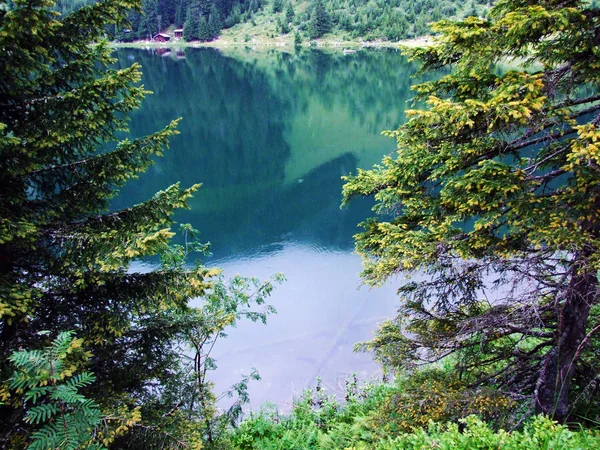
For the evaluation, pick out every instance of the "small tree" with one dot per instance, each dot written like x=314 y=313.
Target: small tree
x=496 y=187
x=204 y=30
x=277 y=6
x=320 y=22
x=289 y=13
x=50 y=394
x=214 y=23
x=191 y=25
x=297 y=40
x=61 y=417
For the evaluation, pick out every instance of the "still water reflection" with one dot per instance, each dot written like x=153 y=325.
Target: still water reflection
x=269 y=135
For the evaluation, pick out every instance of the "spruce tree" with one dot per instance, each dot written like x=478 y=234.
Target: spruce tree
x=289 y=13
x=190 y=27
x=64 y=257
x=180 y=13
x=493 y=196
x=214 y=23
x=204 y=30
x=150 y=16
x=255 y=5
x=277 y=6
x=320 y=22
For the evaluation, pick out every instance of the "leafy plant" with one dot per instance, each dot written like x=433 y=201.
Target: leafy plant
x=434 y=395
x=372 y=418
x=51 y=395
x=473 y=433
x=184 y=411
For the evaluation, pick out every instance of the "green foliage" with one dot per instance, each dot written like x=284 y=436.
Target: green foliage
x=314 y=411
x=65 y=260
x=276 y=6
x=436 y=396
x=373 y=416
x=388 y=20
x=183 y=413
x=289 y=12
x=493 y=195
x=226 y=303
x=50 y=393
x=60 y=111
x=541 y=434
x=320 y=22
x=191 y=25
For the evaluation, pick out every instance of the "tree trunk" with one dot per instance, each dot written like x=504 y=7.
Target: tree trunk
x=552 y=390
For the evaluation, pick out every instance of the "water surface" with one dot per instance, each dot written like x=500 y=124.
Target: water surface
x=269 y=135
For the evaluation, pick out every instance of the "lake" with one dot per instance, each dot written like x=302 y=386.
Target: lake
x=269 y=134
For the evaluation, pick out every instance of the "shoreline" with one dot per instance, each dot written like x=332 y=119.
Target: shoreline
x=286 y=42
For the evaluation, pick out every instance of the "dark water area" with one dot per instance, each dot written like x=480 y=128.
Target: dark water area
x=269 y=135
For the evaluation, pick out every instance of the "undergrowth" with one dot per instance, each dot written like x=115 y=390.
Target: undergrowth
x=429 y=409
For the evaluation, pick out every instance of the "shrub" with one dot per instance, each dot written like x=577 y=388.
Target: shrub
x=435 y=396
x=541 y=433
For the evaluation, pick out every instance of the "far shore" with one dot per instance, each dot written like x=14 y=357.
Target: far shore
x=284 y=42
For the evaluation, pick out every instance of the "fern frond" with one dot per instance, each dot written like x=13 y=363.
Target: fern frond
x=59 y=347
x=44 y=438
x=81 y=380
x=66 y=394
x=35 y=393
x=41 y=413
x=69 y=419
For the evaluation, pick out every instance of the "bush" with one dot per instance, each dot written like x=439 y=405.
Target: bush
x=350 y=429
x=372 y=414
x=435 y=396
x=541 y=433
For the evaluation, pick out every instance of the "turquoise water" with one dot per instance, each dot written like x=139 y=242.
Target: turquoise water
x=269 y=134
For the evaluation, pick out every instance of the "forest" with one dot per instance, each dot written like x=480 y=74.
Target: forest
x=489 y=202
x=203 y=20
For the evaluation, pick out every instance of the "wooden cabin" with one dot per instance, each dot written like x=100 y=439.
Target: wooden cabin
x=161 y=37
x=178 y=33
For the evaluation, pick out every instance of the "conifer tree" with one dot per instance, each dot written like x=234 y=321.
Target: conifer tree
x=277 y=6
x=63 y=257
x=181 y=8
x=289 y=12
x=204 y=7
x=150 y=20
x=493 y=193
x=320 y=22
x=190 y=27
x=204 y=30
x=214 y=23
x=255 y=5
